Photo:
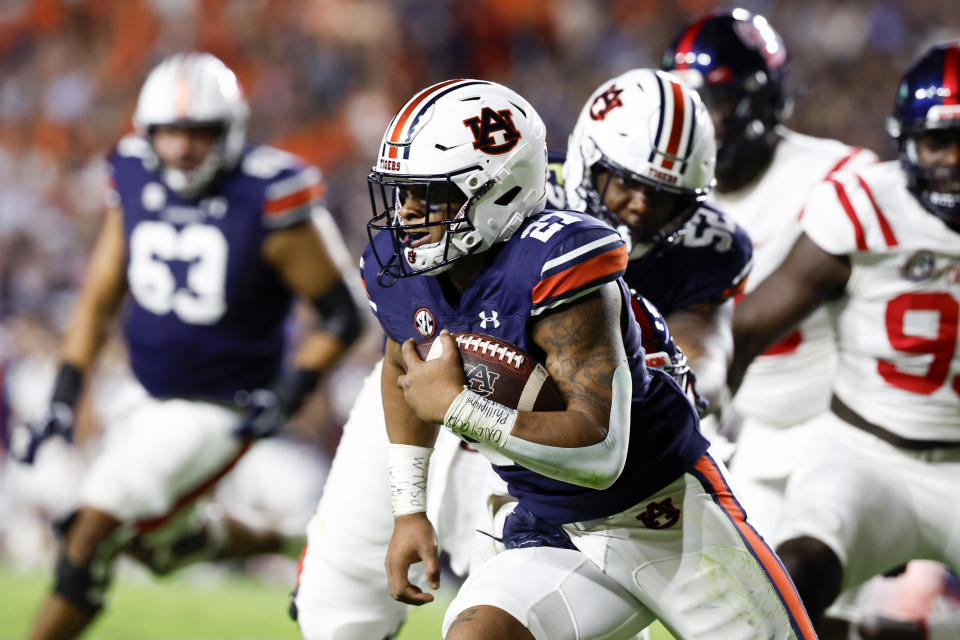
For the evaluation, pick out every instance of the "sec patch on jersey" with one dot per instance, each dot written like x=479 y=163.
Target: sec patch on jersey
x=502 y=372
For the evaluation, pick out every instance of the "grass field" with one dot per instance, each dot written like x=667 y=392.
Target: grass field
x=178 y=608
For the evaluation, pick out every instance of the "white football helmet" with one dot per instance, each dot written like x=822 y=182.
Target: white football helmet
x=195 y=89
x=650 y=129
x=470 y=140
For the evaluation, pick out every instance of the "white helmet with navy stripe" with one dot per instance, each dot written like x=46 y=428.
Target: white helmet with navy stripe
x=651 y=129
x=195 y=89
x=473 y=142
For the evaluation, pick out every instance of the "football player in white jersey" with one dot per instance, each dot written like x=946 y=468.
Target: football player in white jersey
x=738 y=63
x=875 y=486
x=212 y=239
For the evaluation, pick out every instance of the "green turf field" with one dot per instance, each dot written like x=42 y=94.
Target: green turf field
x=182 y=609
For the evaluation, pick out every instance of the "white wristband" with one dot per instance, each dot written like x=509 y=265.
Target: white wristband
x=407 y=466
x=480 y=419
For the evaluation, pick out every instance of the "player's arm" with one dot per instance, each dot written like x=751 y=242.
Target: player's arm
x=805 y=280
x=303 y=263
x=586 y=443
x=100 y=296
x=408 y=458
x=703 y=333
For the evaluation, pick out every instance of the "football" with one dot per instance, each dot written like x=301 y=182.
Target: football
x=501 y=371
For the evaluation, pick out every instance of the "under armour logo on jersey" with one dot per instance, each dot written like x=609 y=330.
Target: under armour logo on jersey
x=660 y=515
x=423 y=320
x=481 y=380
x=491 y=122
x=493 y=318
x=606 y=102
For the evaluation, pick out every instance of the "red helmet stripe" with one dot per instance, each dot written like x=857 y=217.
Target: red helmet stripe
x=676 y=128
x=951 y=76
x=411 y=106
x=685 y=45
x=181 y=90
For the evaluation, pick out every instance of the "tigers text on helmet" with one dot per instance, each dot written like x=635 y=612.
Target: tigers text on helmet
x=193 y=90
x=738 y=63
x=474 y=152
x=647 y=129
x=928 y=104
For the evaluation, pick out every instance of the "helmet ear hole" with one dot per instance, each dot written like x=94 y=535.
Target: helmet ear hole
x=507 y=197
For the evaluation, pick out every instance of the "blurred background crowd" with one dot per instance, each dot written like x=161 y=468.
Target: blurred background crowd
x=323 y=77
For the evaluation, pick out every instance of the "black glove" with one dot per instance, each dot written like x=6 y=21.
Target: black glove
x=58 y=421
x=269 y=409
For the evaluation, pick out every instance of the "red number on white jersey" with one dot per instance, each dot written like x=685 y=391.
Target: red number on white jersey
x=941 y=347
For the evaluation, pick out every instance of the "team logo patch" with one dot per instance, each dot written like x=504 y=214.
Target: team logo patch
x=493 y=131
x=493 y=318
x=481 y=380
x=606 y=102
x=660 y=515
x=423 y=320
x=920 y=266
x=153 y=197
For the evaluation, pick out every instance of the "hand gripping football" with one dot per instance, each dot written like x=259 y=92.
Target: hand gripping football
x=501 y=371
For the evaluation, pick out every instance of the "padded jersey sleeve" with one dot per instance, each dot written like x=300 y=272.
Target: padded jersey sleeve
x=582 y=254
x=292 y=189
x=292 y=197
x=727 y=256
x=841 y=216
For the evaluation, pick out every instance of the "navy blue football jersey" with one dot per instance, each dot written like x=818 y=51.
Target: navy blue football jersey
x=710 y=264
x=206 y=314
x=554 y=258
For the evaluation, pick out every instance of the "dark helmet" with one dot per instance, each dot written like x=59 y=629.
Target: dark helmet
x=928 y=101
x=738 y=64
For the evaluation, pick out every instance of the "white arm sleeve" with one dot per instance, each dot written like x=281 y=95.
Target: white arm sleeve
x=596 y=466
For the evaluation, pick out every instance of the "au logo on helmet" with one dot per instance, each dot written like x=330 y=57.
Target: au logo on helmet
x=490 y=122
x=606 y=102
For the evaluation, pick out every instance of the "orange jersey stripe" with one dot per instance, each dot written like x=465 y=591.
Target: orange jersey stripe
x=580 y=274
x=295 y=199
x=770 y=563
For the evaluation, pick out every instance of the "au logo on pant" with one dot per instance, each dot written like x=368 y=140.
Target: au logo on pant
x=659 y=515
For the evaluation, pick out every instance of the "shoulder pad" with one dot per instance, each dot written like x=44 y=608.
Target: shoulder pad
x=580 y=254
x=292 y=193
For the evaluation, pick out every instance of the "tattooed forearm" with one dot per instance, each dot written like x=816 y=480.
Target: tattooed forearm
x=584 y=346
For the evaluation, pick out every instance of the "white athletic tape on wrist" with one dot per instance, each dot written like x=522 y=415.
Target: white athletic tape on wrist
x=480 y=419
x=407 y=466
x=596 y=466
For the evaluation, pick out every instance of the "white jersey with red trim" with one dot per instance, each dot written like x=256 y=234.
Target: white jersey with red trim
x=790 y=382
x=897 y=326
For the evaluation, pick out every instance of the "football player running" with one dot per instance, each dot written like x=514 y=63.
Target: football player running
x=461 y=232
x=874 y=487
x=688 y=258
x=738 y=64
x=211 y=239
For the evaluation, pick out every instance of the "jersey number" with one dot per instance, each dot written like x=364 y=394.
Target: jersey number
x=153 y=245
x=940 y=347
x=717 y=231
x=544 y=228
